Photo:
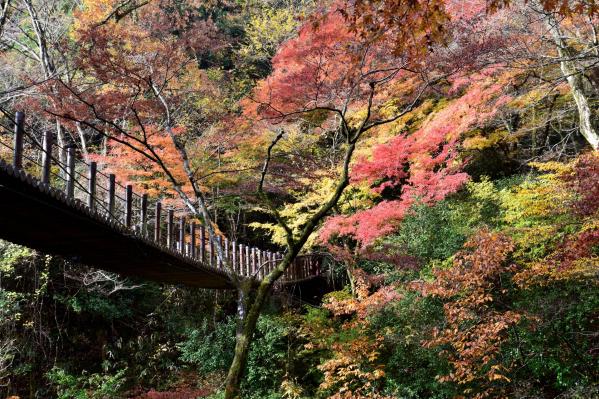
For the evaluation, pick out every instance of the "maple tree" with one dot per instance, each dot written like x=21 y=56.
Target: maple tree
x=328 y=72
x=354 y=369
x=476 y=323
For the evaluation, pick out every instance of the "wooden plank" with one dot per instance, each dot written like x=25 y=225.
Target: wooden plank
x=91 y=185
x=17 y=160
x=47 y=157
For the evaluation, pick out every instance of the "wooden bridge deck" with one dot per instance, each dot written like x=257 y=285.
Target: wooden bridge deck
x=43 y=218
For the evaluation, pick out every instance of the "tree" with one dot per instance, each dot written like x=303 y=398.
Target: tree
x=473 y=292
x=576 y=48
x=331 y=78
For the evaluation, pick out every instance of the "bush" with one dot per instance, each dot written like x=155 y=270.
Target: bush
x=93 y=386
x=212 y=351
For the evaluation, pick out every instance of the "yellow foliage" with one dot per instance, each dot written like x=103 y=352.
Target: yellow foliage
x=480 y=142
x=298 y=213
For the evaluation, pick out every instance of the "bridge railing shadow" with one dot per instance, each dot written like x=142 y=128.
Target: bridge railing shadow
x=25 y=148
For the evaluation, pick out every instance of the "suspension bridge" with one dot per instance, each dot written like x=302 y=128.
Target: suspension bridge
x=76 y=211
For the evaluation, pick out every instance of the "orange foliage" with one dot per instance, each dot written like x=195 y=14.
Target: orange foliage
x=477 y=320
x=355 y=370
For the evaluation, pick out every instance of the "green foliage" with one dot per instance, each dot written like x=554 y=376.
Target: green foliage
x=10 y=255
x=109 y=308
x=554 y=346
x=267 y=361
x=210 y=349
x=411 y=369
x=93 y=386
x=437 y=232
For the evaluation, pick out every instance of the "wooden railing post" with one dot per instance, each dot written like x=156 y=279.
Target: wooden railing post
x=47 y=157
x=234 y=256
x=157 y=220
x=111 y=194
x=91 y=186
x=182 y=235
x=248 y=268
x=144 y=215
x=220 y=262
x=226 y=252
x=70 y=172
x=241 y=263
x=202 y=243
x=17 y=160
x=128 y=205
x=169 y=228
x=192 y=235
x=211 y=247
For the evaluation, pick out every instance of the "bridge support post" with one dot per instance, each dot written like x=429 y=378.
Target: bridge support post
x=47 y=157
x=157 y=220
x=70 y=172
x=91 y=187
x=128 y=205
x=17 y=160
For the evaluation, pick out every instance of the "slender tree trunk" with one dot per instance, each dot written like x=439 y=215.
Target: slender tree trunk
x=245 y=332
x=574 y=78
x=250 y=302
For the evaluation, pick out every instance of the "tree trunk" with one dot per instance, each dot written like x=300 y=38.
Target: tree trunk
x=245 y=332
x=574 y=79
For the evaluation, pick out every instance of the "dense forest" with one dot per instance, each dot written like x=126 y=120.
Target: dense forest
x=440 y=156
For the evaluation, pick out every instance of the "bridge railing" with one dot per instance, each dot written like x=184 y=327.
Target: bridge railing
x=62 y=169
